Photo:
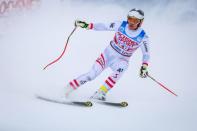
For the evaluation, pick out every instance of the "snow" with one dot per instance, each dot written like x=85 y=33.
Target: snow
x=29 y=42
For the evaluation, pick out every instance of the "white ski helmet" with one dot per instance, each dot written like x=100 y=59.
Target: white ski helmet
x=137 y=13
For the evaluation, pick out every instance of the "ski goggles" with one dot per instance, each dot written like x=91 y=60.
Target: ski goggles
x=133 y=20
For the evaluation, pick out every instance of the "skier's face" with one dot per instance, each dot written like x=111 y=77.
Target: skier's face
x=133 y=23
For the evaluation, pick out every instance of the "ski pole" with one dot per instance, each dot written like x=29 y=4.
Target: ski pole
x=54 y=61
x=162 y=85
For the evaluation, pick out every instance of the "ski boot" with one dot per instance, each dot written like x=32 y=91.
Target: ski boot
x=99 y=95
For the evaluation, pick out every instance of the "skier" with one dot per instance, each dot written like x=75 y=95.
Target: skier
x=129 y=36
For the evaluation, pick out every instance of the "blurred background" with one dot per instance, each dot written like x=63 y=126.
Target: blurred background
x=33 y=33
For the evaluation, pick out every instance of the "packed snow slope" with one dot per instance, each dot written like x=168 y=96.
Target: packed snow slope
x=29 y=41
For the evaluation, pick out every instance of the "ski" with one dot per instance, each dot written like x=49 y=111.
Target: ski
x=70 y=102
x=116 y=104
x=82 y=103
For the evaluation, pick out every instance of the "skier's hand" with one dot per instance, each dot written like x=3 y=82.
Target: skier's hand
x=144 y=71
x=82 y=24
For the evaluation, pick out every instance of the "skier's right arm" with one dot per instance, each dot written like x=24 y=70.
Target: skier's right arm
x=113 y=26
x=83 y=24
x=99 y=26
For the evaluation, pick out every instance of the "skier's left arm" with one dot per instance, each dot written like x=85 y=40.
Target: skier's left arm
x=145 y=58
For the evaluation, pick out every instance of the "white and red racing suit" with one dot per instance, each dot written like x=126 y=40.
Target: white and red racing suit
x=117 y=53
